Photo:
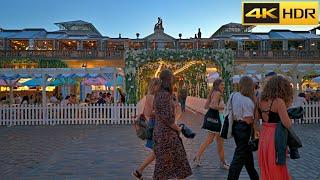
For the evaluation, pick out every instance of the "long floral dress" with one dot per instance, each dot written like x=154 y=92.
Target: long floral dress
x=171 y=158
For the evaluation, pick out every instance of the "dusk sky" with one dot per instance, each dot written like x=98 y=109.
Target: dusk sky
x=128 y=17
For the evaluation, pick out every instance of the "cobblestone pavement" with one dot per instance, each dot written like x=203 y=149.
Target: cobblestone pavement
x=112 y=152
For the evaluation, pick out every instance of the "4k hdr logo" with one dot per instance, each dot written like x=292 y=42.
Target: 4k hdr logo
x=282 y=13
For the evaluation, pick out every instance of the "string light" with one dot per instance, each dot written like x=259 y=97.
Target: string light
x=185 y=67
x=159 y=69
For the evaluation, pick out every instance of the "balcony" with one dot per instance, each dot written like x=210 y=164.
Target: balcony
x=62 y=54
x=299 y=55
x=311 y=56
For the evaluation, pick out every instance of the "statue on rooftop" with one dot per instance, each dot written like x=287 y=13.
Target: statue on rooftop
x=199 y=33
x=158 y=25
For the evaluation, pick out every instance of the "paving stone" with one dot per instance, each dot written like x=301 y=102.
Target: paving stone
x=113 y=151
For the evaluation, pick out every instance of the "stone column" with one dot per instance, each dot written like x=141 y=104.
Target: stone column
x=79 y=45
x=115 y=88
x=240 y=45
x=53 y=44
x=285 y=45
x=31 y=44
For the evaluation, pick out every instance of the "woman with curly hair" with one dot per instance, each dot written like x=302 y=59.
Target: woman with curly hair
x=276 y=97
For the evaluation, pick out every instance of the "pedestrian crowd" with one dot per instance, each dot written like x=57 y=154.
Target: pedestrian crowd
x=258 y=120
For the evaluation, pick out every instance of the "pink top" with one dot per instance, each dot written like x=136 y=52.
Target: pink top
x=148 y=108
x=213 y=102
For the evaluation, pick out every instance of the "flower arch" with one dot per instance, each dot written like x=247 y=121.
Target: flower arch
x=134 y=59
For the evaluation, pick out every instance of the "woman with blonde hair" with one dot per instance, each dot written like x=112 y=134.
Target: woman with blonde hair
x=214 y=104
x=243 y=110
x=276 y=97
x=148 y=111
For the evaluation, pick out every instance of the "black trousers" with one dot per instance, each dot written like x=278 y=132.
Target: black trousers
x=242 y=155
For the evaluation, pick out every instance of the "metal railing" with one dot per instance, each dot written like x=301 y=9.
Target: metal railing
x=277 y=54
x=119 y=54
x=66 y=54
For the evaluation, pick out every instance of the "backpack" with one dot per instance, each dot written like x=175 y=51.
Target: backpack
x=141 y=127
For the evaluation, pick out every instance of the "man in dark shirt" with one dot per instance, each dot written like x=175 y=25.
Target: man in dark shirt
x=183 y=94
x=102 y=99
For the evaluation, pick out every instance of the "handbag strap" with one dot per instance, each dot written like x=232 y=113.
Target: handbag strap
x=231 y=105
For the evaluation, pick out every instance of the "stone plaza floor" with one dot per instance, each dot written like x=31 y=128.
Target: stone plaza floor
x=113 y=151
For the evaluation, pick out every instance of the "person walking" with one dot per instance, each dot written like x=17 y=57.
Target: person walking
x=182 y=96
x=276 y=97
x=243 y=110
x=214 y=103
x=171 y=157
x=148 y=111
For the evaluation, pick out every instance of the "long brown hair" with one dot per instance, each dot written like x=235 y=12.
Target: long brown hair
x=153 y=85
x=166 y=77
x=278 y=87
x=246 y=87
x=215 y=86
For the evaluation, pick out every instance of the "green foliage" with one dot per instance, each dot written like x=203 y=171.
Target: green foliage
x=135 y=59
x=41 y=63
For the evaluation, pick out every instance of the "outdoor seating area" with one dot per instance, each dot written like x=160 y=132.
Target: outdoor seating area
x=54 y=85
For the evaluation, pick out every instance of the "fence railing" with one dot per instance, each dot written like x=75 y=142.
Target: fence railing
x=77 y=54
x=277 y=54
x=119 y=54
x=72 y=114
x=311 y=115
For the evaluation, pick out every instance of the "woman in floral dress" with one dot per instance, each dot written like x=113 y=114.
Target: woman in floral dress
x=171 y=158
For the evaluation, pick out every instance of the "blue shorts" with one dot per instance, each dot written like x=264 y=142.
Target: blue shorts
x=151 y=124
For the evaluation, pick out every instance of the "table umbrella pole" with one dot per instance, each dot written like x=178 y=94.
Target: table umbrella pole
x=11 y=94
x=44 y=96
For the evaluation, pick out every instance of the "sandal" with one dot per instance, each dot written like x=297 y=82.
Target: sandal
x=137 y=174
x=196 y=162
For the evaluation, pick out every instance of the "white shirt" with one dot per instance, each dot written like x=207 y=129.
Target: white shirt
x=53 y=99
x=300 y=101
x=242 y=106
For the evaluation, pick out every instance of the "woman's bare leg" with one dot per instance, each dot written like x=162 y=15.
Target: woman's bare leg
x=204 y=145
x=220 y=148
x=151 y=157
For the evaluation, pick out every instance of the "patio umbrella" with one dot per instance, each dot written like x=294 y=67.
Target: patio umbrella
x=212 y=77
x=111 y=83
x=35 y=82
x=236 y=79
x=95 y=81
x=9 y=83
x=63 y=81
x=316 y=80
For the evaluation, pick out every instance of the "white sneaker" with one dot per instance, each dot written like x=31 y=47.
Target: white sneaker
x=224 y=165
x=197 y=162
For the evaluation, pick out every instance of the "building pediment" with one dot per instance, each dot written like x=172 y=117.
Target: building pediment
x=159 y=36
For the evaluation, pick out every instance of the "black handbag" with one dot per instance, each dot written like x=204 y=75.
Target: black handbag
x=187 y=132
x=226 y=129
x=296 y=112
x=141 y=127
x=253 y=142
x=212 y=121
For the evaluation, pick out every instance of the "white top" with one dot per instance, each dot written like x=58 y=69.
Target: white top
x=300 y=101
x=242 y=106
x=53 y=99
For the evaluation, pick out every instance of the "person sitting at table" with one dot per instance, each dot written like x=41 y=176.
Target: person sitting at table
x=102 y=99
x=66 y=101
x=88 y=98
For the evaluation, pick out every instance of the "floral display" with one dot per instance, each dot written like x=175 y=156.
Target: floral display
x=136 y=59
